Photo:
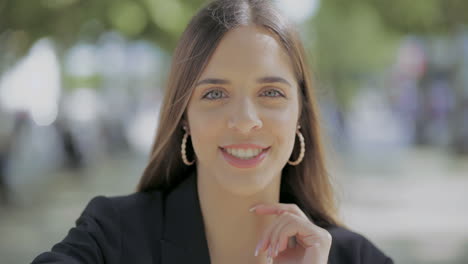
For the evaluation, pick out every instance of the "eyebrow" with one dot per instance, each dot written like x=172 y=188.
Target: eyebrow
x=273 y=79
x=266 y=79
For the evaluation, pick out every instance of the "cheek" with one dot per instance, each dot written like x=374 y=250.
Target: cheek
x=206 y=121
x=205 y=129
x=282 y=117
x=282 y=123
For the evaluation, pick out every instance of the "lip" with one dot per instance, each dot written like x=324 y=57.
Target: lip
x=243 y=146
x=244 y=164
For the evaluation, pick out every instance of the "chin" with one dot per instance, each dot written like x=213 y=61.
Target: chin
x=241 y=184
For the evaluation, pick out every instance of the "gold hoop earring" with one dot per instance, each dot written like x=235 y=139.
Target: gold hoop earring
x=182 y=149
x=301 y=154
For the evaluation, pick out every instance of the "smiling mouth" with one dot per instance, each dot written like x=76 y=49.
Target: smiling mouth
x=244 y=153
x=245 y=161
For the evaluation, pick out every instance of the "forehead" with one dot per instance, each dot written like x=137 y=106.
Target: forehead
x=249 y=50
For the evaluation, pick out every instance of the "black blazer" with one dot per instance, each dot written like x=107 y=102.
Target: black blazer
x=151 y=228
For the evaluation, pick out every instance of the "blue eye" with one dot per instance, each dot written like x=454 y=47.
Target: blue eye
x=218 y=94
x=215 y=94
x=273 y=93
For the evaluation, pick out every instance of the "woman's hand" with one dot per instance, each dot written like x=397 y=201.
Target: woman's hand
x=313 y=242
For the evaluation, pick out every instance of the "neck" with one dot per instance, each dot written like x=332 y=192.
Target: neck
x=232 y=231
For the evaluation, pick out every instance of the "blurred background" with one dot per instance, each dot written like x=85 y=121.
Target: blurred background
x=81 y=83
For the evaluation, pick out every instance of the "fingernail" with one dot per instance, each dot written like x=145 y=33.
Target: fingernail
x=276 y=249
x=269 y=252
x=257 y=248
x=254 y=207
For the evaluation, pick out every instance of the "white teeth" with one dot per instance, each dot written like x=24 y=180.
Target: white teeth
x=244 y=153
x=249 y=152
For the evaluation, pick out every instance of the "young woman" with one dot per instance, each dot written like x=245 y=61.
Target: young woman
x=236 y=173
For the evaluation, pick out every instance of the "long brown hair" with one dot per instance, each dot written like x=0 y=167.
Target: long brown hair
x=308 y=184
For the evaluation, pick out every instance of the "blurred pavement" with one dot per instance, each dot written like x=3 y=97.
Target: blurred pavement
x=412 y=206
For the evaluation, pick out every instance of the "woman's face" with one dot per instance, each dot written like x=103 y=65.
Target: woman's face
x=245 y=101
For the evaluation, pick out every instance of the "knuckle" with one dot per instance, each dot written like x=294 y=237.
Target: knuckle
x=295 y=207
x=326 y=235
x=285 y=215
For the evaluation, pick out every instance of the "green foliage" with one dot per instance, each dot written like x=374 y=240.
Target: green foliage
x=348 y=39
x=68 y=21
x=351 y=43
x=71 y=82
x=422 y=16
x=128 y=17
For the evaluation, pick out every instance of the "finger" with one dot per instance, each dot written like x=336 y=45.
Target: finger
x=308 y=240
x=306 y=233
x=268 y=209
x=266 y=236
x=285 y=219
x=316 y=238
x=287 y=232
x=291 y=230
x=283 y=240
x=293 y=227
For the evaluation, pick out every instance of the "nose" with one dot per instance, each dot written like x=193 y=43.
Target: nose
x=244 y=117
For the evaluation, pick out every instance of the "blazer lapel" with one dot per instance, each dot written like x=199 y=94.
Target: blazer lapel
x=183 y=239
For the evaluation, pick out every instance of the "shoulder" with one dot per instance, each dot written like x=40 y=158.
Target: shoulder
x=108 y=214
x=124 y=205
x=351 y=247
x=116 y=229
x=134 y=221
